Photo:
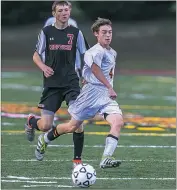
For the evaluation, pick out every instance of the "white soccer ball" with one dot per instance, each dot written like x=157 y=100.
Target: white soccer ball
x=84 y=175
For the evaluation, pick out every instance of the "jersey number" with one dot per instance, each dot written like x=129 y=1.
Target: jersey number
x=70 y=36
x=111 y=73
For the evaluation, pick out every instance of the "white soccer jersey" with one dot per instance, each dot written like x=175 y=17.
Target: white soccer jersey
x=104 y=58
x=94 y=97
x=72 y=22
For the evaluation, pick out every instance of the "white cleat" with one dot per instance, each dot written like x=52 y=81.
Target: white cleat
x=109 y=162
x=41 y=148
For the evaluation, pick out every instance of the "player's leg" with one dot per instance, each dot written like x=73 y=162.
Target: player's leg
x=49 y=104
x=78 y=136
x=54 y=133
x=78 y=141
x=115 y=120
x=80 y=110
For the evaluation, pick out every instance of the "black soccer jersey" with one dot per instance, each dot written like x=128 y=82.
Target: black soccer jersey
x=60 y=47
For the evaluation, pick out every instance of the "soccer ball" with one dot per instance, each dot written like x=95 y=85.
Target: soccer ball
x=84 y=175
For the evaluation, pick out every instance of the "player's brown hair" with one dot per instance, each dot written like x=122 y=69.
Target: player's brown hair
x=60 y=3
x=100 y=22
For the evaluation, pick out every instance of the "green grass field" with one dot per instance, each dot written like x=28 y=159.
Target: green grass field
x=148 y=155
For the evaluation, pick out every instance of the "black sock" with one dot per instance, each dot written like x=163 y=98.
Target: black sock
x=52 y=134
x=78 y=140
x=33 y=123
x=113 y=137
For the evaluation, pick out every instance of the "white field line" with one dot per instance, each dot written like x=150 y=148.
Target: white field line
x=64 y=186
x=102 y=146
x=34 y=160
x=99 y=133
x=20 y=181
x=102 y=178
x=7 y=124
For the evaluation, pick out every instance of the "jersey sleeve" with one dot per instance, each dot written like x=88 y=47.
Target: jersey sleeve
x=93 y=57
x=78 y=60
x=82 y=44
x=41 y=43
x=49 y=21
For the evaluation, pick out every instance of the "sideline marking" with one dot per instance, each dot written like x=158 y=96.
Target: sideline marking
x=19 y=181
x=34 y=160
x=102 y=146
x=101 y=178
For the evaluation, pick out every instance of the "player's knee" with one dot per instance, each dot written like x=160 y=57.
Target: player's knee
x=80 y=129
x=71 y=129
x=45 y=125
x=117 y=122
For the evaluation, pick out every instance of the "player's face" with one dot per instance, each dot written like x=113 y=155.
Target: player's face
x=104 y=35
x=62 y=13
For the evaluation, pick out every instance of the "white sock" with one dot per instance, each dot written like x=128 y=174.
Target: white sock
x=46 y=138
x=111 y=144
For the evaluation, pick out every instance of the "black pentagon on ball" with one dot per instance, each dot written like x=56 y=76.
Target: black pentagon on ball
x=89 y=175
x=86 y=183
x=82 y=170
x=76 y=174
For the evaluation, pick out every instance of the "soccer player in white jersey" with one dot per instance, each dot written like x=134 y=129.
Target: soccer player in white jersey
x=97 y=95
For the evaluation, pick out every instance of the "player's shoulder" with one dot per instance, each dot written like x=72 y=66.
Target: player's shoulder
x=114 y=53
x=73 y=29
x=49 y=21
x=72 y=22
x=47 y=28
x=96 y=49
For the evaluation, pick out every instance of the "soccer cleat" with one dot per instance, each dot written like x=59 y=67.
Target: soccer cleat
x=41 y=148
x=29 y=130
x=76 y=162
x=109 y=162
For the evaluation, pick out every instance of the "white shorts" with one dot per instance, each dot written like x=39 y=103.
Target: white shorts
x=93 y=99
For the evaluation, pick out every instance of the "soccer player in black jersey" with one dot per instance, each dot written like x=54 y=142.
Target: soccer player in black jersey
x=60 y=42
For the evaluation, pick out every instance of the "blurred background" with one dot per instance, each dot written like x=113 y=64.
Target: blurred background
x=144 y=32
x=144 y=36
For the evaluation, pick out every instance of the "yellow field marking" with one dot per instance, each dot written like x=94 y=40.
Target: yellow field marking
x=150 y=129
x=100 y=133
x=129 y=127
x=101 y=122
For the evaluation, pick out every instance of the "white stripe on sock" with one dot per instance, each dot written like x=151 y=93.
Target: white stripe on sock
x=46 y=138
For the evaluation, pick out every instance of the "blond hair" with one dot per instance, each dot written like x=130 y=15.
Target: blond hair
x=100 y=22
x=60 y=3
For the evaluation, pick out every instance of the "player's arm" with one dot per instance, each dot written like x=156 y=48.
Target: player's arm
x=82 y=47
x=40 y=48
x=94 y=62
x=99 y=75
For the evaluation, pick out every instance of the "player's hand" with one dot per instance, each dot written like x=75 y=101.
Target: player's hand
x=84 y=82
x=112 y=93
x=48 y=71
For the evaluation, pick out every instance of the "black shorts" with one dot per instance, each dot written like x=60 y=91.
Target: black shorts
x=52 y=98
